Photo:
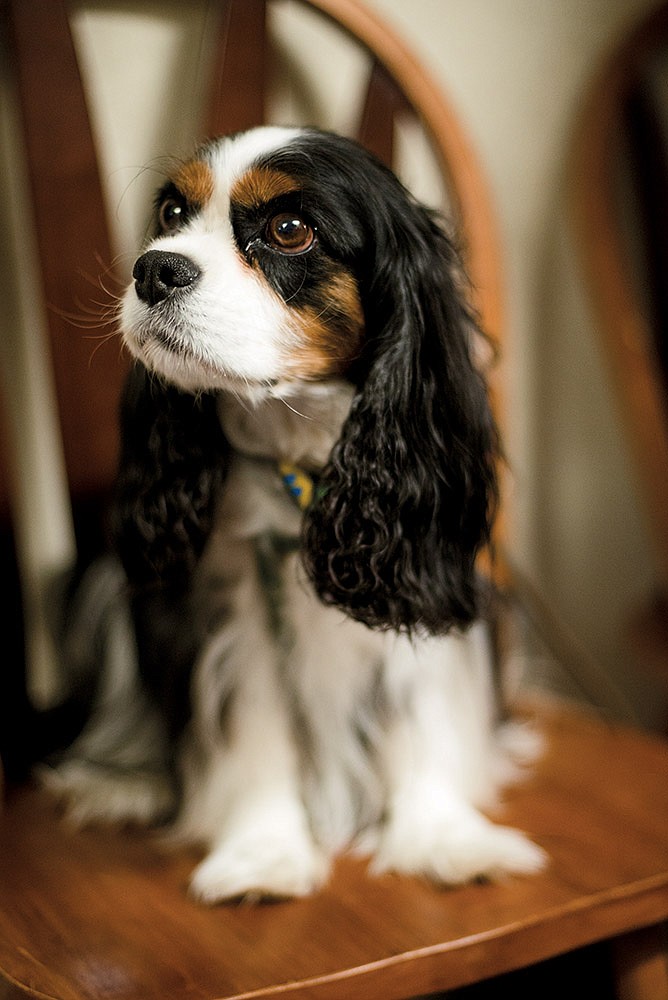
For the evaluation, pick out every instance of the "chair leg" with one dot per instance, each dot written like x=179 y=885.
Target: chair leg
x=641 y=964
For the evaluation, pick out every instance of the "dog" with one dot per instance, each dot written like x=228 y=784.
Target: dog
x=291 y=637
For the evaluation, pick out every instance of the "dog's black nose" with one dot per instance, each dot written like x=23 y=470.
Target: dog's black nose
x=158 y=273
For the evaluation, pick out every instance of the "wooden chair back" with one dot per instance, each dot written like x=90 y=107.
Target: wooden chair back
x=619 y=147
x=69 y=203
x=75 y=249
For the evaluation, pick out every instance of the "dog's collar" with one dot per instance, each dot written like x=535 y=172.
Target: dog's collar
x=300 y=485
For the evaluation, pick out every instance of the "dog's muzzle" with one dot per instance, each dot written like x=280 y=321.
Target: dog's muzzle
x=159 y=273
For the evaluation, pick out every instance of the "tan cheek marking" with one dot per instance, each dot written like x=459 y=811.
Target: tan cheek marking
x=259 y=185
x=195 y=182
x=330 y=335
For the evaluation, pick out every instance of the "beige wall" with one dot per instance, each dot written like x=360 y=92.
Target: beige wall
x=515 y=70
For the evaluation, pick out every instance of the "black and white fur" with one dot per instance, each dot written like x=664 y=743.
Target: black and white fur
x=315 y=679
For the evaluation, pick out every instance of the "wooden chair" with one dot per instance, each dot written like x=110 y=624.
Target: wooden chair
x=93 y=914
x=620 y=158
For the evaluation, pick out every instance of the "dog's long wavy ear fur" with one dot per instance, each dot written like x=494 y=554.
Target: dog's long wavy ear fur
x=173 y=461
x=407 y=498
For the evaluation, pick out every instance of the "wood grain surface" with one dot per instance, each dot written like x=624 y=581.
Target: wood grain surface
x=102 y=913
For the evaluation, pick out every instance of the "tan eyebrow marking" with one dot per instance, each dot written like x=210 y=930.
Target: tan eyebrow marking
x=260 y=184
x=195 y=182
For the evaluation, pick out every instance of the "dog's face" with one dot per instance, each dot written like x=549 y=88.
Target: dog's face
x=287 y=257
x=250 y=284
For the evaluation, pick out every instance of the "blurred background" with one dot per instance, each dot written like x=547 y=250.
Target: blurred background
x=517 y=72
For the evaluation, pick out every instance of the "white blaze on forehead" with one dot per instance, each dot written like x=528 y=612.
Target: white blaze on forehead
x=231 y=158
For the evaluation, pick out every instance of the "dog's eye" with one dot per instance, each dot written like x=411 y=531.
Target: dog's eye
x=171 y=214
x=290 y=234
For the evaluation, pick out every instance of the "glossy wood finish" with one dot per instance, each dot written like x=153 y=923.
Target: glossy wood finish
x=384 y=101
x=72 y=239
x=97 y=914
x=239 y=78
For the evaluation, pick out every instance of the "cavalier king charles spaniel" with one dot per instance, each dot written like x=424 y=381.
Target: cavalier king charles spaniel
x=290 y=641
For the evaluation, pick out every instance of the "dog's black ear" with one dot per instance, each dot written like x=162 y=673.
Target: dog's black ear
x=407 y=499
x=173 y=460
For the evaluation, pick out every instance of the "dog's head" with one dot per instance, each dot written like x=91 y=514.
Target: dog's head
x=284 y=257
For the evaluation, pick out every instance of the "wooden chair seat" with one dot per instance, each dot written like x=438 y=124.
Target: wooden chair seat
x=97 y=913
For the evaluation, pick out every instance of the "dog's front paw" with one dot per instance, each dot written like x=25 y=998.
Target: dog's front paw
x=259 y=867
x=457 y=851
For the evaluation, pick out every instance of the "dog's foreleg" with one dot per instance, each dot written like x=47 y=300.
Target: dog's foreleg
x=243 y=779
x=439 y=766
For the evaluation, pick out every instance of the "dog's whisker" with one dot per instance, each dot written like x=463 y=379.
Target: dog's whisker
x=87 y=318
x=301 y=286
x=110 y=271
x=101 y=342
x=304 y=416
x=161 y=166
